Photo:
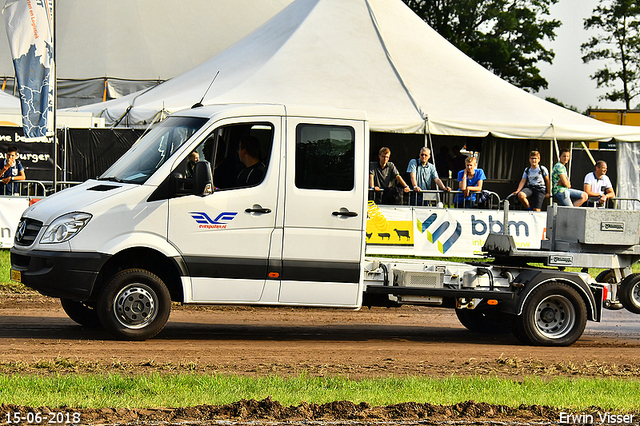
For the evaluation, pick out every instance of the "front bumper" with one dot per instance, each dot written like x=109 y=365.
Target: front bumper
x=58 y=274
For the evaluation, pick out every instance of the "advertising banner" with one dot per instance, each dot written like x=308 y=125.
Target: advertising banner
x=446 y=232
x=36 y=157
x=11 y=209
x=29 y=25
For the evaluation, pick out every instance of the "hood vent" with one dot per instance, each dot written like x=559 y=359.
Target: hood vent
x=103 y=188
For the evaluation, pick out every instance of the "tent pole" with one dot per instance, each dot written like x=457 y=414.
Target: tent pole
x=428 y=142
x=571 y=163
x=586 y=148
x=55 y=101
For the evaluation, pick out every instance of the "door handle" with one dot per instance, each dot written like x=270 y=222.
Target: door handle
x=257 y=210
x=347 y=214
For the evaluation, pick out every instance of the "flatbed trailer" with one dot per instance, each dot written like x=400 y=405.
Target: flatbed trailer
x=584 y=238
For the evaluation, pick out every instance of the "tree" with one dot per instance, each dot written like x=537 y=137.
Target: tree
x=505 y=36
x=559 y=103
x=619 y=23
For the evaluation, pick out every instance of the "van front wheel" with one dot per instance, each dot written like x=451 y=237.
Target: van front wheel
x=135 y=305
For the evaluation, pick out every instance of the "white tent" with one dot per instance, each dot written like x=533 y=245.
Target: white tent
x=9 y=102
x=131 y=43
x=374 y=55
x=10 y=114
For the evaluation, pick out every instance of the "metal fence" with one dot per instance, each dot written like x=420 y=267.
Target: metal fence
x=34 y=188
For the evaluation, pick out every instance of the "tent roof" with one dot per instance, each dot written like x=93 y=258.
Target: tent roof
x=145 y=39
x=373 y=55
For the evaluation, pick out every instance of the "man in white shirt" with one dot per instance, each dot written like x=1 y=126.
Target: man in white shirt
x=597 y=184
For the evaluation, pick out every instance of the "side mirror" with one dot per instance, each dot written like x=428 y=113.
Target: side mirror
x=202 y=179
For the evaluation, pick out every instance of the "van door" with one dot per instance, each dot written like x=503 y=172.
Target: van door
x=225 y=238
x=324 y=212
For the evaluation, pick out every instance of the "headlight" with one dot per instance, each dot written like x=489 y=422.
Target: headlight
x=65 y=227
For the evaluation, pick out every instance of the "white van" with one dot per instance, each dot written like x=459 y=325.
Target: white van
x=160 y=227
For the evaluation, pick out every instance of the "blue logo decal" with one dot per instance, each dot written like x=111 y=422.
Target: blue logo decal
x=438 y=230
x=220 y=221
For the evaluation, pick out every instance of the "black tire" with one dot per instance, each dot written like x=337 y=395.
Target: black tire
x=485 y=321
x=135 y=305
x=82 y=313
x=553 y=315
x=629 y=293
x=606 y=276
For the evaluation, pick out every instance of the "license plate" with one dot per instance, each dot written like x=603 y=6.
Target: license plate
x=16 y=276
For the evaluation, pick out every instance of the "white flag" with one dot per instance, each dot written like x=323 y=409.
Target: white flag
x=29 y=25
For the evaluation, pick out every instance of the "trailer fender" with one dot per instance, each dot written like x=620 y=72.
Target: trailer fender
x=531 y=279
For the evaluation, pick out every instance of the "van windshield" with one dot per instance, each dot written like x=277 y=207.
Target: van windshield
x=151 y=151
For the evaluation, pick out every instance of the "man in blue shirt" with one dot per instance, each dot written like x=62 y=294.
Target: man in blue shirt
x=421 y=173
x=11 y=171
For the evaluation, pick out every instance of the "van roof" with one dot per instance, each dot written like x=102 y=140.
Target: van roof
x=247 y=110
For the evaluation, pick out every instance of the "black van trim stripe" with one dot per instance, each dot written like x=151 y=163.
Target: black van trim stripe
x=259 y=269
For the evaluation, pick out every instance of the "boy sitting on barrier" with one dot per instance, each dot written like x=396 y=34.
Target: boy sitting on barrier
x=534 y=186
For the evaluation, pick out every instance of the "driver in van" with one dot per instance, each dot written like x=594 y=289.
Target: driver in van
x=192 y=159
x=249 y=154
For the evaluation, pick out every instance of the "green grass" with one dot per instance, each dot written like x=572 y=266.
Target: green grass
x=5 y=281
x=185 y=390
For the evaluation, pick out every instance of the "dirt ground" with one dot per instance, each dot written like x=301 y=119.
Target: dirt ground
x=37 y=337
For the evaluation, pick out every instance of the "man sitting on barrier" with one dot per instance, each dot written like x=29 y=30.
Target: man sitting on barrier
x=383 y=175
x=562 y=191
x=421 y=173
x=12 y=171
x=598 y=186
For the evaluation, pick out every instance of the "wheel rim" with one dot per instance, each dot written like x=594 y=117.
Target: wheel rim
x=135 y=306
x=635 y=294
x=555 y=316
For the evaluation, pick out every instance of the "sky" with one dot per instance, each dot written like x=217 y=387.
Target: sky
x=568 y=76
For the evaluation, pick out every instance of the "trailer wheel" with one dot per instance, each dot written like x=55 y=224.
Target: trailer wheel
x=485 y=321
x=606 y=276
x=81 y=312
x=629 y=293
x=553 y=315
x=135 y=305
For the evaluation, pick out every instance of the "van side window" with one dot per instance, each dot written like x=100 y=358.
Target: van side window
x=241 y=154
x=325 y=157
x=221 y=149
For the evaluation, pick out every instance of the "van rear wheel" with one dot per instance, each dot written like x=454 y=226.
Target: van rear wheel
x=82 y=313
x=485 y=321
x=553 y=315
x=134 y=305
x=629 y=293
